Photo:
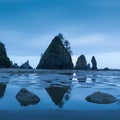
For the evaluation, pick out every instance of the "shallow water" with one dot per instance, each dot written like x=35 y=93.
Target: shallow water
x=58 y=89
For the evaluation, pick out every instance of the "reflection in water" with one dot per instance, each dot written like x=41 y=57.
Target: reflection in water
x=59 y=95
x=2 y=89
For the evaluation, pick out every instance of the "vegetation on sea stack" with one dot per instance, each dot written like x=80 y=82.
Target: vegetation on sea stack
x=4 y=60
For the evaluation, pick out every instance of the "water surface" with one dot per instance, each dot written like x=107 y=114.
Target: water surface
x=58 y=89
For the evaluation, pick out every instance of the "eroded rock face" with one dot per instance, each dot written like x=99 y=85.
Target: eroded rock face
x=56 y=56
x=101 y=98
x=26 y=97
x=81 y=63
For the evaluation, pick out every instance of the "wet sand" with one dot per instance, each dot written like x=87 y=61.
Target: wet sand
x=61 y=115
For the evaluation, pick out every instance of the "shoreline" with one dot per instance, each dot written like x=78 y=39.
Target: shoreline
x=60 y=115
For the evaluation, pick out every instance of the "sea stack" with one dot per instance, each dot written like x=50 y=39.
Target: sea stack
x=81 y=63
x=4 y=60
x=56 y=56
x=26 y=65
x=94 y=63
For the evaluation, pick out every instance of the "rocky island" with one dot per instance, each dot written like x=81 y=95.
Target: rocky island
x=56 y=56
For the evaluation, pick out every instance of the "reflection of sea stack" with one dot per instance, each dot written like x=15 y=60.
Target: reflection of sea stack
x=56 y=56
x=2 y=89
x=4 y=60
x=59 y=94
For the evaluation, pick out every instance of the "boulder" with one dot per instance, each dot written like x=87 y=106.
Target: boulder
x=4 y=60
x=81 y=63
x=56 y=56
x=94 y=63
x=26 y=97
x=26 y=65
x=101 y=98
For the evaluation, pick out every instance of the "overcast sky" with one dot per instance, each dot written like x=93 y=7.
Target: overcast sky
x=91 y=26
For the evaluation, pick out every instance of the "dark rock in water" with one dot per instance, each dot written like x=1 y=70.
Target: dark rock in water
x=56 y=56
x=26 y=66
x=4 y=60
x=101 y=98
x=81 y=63
x=106 y=69
x=26 y=97
x=94 y=63
x=15 y=65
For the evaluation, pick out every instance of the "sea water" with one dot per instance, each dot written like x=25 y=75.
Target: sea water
x=58 y=89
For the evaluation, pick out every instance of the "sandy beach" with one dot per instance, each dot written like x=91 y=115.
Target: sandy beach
x=61 y=115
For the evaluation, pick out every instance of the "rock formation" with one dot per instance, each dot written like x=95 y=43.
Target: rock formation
x=94 y=63
x=26 y=97
x=101 y=98
x=26 y=66
x=15 y=65
x=56 y=56
x=81 y=63
x=4 y=60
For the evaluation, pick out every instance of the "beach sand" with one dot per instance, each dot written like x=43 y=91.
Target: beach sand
x=61 y=115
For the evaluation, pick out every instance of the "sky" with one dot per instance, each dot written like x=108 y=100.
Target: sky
x=91 y=26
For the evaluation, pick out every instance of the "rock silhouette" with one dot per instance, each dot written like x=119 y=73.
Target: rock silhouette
x=4 y=60
x=56 y=56
x=94 y=63
x=59 y=94
x=26 y=97
x=81 y=63
x=2 y=89
x=26 y=66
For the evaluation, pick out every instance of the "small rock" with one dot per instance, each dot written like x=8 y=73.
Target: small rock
x=101 y=98
x=26 y=97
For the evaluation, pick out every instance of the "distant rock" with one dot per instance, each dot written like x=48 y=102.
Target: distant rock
x=81 y=63
x=15 y=65
x=94 y=63
x=56 y=56
x=106 y=69
x=4 y=60
x=26 y=66
x=26 y=97
x=101 y=98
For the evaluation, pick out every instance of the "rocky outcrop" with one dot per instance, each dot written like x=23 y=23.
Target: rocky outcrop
x=101 y=98
x=81 y=63
x=26 y=66
x=4 y=60
x=26 y=98
x=56 y=56
x=15 y=65
x=94 y=63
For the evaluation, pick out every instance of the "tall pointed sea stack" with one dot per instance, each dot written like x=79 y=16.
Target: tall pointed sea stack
x=4 y=60
x=56 y=56
x=94 y=63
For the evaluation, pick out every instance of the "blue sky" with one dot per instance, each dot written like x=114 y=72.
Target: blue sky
x=92 y=27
